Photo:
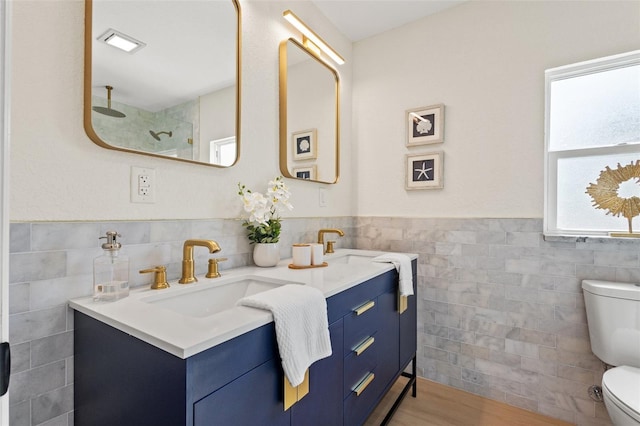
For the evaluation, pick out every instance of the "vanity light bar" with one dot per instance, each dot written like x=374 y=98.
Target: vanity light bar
x=315 y=38
x=121 y=41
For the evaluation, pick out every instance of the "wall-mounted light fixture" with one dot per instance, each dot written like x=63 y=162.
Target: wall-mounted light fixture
x=309 y=37
x=121 y=41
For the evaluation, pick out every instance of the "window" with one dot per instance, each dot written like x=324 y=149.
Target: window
x=592 y=121
x=223 y=151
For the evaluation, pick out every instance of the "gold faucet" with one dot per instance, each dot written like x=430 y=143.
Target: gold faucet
x=187 y=258
x=321 y=233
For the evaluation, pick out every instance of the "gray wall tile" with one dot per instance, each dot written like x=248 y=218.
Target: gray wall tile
x=64 y=236
x=37 y=266
x=51 y=405
x=520 y=297
x=20 y=237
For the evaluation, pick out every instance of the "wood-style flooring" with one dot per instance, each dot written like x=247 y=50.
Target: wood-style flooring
x=441 y=405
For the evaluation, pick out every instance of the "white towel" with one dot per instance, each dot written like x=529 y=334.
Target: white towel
x=402 y=262
x=302 y=327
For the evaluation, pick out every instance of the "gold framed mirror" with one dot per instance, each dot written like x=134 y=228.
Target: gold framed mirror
x=176 y=93
x=309 y=115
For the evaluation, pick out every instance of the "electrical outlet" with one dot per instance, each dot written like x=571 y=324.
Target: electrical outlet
x=143 y=185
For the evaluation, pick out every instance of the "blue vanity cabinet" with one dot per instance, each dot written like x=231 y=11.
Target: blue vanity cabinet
x=122 y=380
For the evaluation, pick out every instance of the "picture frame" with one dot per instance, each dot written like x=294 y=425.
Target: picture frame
x=424 y=171
x=307 y=172
x=305 y=146
x=425 y=125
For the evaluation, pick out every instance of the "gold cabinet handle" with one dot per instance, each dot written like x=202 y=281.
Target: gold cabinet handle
x=364 y=307
x=403 y=303
x=364 y=383
x=364 y=345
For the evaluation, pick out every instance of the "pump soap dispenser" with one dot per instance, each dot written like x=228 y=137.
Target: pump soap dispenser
x=110 y=271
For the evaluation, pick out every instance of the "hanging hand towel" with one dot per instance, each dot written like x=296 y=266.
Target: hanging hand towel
x=302 y=327
x=402 y=262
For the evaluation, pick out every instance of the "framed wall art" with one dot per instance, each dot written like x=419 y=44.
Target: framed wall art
x=308 y=172
x=425 y=171
x=425 y=125
x=305 y=145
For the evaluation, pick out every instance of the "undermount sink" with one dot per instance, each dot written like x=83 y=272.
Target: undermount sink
x=202 y=301
x=348 y=259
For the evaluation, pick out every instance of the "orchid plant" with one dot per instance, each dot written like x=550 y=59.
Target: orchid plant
x=264 y=223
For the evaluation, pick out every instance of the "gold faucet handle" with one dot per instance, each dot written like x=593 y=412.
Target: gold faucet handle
x=330 y=247
x=160 y=277
x=213 y=267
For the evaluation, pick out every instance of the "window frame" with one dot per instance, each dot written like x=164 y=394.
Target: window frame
x=551 y=158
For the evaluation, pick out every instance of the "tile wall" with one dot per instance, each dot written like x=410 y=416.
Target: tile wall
x=52 y=262
x=501 y=312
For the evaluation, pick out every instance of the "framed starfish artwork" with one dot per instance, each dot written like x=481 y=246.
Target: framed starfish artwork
x=304 y=144
x=425 y=171
x=425 y=125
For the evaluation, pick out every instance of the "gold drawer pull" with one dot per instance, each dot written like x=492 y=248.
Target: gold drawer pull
x=364 y=345
x=403 y=303
x=364 y=307
x=364 y=383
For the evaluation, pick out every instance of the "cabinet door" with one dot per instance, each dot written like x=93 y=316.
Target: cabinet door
x=322 y=406
x=256 y=398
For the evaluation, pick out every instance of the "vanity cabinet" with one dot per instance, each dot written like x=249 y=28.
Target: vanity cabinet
x=122 y=380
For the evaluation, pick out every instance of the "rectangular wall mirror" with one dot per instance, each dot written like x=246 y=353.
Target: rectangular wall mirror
x=162 y=78
x=309 y=115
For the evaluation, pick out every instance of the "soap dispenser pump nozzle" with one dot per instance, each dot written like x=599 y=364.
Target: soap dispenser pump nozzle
x=111 y=243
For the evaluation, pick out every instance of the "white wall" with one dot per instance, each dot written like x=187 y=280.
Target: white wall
x=485 y=61
x=57 y=173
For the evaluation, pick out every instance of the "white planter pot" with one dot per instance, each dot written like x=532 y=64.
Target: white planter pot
x=266 y=254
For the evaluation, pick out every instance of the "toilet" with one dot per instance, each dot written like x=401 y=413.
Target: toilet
x=613 y=317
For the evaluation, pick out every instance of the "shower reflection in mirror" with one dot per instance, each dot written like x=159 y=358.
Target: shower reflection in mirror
x=165 y=132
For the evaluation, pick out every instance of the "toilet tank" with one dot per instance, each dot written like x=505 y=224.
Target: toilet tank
x=613 y=317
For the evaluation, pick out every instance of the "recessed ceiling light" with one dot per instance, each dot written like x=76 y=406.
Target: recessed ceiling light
x=121 y=41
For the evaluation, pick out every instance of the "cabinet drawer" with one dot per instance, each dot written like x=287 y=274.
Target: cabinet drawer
x=357 y=366
x=358 y=407
x=341 y=304
x=362 y=322
x=221 y=364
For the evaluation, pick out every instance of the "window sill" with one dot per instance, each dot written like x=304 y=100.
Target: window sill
x=605 y=239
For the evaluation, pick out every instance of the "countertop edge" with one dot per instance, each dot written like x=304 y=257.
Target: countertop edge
x=121 y=315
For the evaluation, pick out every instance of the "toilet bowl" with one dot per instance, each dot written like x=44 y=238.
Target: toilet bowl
x=613 y=318
x=621 y=391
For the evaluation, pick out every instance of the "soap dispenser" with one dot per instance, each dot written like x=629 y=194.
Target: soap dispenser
x=110 y=271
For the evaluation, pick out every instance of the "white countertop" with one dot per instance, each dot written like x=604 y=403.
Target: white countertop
x=185 y=335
